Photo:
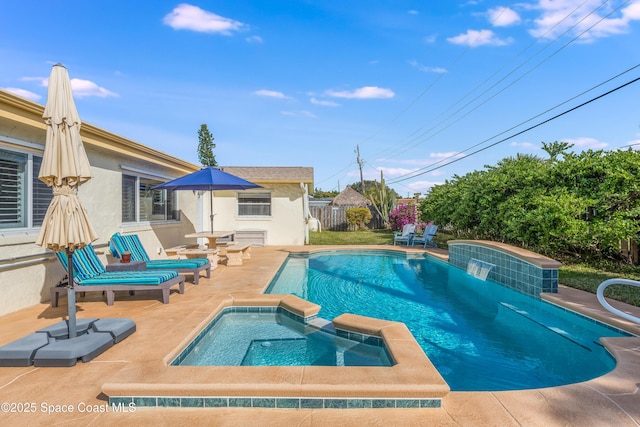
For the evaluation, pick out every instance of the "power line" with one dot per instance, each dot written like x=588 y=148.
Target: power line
x=478 y=86
x=427 y=170
x=534 y=117
x=417 y=140
x=514 y=81
x=415 y=100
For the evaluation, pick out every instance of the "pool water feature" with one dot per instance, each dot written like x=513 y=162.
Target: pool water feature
x=269 y=336
x=480 y=335
x=479 y=269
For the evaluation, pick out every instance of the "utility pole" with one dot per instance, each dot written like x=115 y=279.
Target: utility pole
x=360 y=165
x=382 y=201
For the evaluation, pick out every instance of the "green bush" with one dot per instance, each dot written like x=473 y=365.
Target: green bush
x=358 y=217
x=579 y=206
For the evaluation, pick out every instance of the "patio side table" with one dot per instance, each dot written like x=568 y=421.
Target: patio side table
x=127 y=266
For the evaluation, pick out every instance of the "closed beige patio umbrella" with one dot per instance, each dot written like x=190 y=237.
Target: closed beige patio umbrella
x=65 y=167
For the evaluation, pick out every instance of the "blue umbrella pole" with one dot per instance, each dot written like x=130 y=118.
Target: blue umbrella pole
x=71 y=297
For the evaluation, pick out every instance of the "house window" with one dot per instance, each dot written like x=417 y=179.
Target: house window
x=254 y=204
x=141 y=203
x=24 y=199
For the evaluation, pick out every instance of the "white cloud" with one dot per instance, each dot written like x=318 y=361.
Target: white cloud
x=557 y=17
x=475 y=38
x=271 y=94
x=422 y=186
x=83 y=88
x=525 y=145
x=427 y=69
x=413 y=12
x=503 y=17
x=586 y=143
x=632 y=11
x=391 y=172
x=23 y=93
x=254 y=39
x=367 y=92
x=324 y=103
x=301 y=113
x=189 y=17
x=635 y=145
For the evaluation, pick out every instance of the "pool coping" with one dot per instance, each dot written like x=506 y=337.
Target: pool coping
x=412 y=382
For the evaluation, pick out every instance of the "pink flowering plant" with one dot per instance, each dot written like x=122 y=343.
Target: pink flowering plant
x=401 y=216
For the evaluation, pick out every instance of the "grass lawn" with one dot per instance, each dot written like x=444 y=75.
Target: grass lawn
x=576 y=276
x=588 y=278
x=360 y=237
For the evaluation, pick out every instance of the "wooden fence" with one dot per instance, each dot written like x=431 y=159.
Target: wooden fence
x=334 y=218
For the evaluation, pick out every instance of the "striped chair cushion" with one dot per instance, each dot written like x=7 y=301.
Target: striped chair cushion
x=86 y=263
x=120 y=243
x=89 y=270
x=151 y=278
x=176 y=263
x=131 y=242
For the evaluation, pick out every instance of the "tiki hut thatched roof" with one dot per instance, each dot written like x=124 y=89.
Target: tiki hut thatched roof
x=350 y=197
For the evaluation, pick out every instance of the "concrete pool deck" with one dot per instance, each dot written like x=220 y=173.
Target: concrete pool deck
x=613 y=399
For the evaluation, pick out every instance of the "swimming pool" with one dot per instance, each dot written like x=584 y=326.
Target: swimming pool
x=480 y=335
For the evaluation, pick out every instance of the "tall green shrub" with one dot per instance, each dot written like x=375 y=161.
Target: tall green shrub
x=581 y=204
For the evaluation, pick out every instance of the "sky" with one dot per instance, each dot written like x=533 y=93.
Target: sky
x=425 y=90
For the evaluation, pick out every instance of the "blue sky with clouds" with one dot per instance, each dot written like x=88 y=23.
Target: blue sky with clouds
x=417 y=85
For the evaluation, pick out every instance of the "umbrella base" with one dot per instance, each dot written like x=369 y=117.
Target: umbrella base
x=51 y=346
x=67 y=352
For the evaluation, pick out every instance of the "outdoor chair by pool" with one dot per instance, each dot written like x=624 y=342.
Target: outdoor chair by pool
x=131 y=242
x=90 y=275
x=406 y=236
x=426 y=239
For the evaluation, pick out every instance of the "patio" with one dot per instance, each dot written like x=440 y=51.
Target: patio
x=72 y=396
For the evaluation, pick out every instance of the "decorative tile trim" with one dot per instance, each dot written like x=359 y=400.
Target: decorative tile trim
x=508 y=270
x=271 y=402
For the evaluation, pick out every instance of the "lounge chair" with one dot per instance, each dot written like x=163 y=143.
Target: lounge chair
x=120 y=243
x=406 y=236
x=90 y=275
x=426 y=239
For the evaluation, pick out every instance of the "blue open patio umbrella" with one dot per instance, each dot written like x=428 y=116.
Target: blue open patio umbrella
x=208 y=179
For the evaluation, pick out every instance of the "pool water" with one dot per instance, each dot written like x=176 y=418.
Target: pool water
x=481 y=336
x=270 y=339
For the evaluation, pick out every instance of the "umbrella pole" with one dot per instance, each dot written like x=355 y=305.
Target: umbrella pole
x=211 y=210
x=71 y=296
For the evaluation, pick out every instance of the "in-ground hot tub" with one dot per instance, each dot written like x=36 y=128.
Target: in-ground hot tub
x=274 y=336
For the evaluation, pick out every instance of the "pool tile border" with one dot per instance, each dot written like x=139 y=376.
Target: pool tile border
x=271 y=402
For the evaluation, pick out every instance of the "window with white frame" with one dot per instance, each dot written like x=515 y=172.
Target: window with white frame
x=254 y=204
x=141 y=203
x=24 y=199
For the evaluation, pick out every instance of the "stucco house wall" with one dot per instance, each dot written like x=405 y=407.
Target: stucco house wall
x=28 y=271
x=286 y=224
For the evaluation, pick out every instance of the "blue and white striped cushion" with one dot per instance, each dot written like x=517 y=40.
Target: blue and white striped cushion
x=131 y=242
x=86 y=263
x=151 y=278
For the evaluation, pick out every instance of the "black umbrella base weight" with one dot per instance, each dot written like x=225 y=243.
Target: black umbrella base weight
x=51 y=346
